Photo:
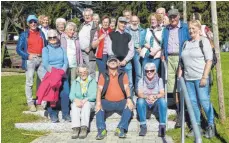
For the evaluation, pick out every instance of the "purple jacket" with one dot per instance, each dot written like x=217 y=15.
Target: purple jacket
x=63 y=42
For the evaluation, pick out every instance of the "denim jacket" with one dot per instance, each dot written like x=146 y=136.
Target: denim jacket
x=141 y=37
x=22 y=46
x=183 y=36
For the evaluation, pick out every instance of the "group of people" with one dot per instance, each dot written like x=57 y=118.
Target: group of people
x=66 y=59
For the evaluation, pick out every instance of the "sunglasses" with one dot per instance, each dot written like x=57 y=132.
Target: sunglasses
x=51 y=38
x=147 y=71
x=32 y=21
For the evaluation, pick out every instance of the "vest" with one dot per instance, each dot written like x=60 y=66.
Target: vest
x=107 y=80
x=120 y=43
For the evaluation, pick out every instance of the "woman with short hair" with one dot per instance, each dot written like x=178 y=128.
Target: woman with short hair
x=60 y=25
x=54 y=62
x=153 y=41
x=151 y=95
x=82 y=95
x=196 y=64
x=102 y=42
x=71 y=44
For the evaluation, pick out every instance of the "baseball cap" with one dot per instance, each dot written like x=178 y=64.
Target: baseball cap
x=112 y=57
x=122 y=19
x=150 y=66
x=31 y=17
x=52 y=33
x=173 y=12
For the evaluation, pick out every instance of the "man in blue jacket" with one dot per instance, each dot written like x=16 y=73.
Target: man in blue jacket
x=174 y=36
x=29 y=47
x=138 y=36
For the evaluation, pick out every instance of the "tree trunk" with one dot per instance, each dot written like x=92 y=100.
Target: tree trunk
x=5 y=30
x=184 y=12
x=218 y=65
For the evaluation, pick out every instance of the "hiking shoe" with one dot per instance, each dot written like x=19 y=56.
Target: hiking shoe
x=101 y=134
x=178 y=121
x=32 y=108
x=120 y=132
x=54 y=119
x=143 y=130
x=191 y=132
x=39 y=107
x=75 y=133
x=210 y=131
x=67 y=118
x=161 y=132
x=83 y=132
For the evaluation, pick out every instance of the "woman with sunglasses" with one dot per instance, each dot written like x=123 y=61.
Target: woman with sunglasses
x=71 y=44
x=54 y=56
x=151 y=95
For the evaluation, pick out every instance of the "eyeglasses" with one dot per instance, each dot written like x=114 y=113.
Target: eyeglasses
x=32 y=21
x=51 y=38
x=147 y=71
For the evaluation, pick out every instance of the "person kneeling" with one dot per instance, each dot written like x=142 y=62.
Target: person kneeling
x=151 y=94
x=113 y=94
x=82 y=95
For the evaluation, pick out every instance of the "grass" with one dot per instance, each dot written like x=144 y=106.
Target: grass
x=13 y=103
x=222 y=128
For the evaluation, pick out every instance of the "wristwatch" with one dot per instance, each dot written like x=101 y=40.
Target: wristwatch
x=129 y=97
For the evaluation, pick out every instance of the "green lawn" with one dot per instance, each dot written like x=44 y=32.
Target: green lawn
x=222 y=128
x=13 y=103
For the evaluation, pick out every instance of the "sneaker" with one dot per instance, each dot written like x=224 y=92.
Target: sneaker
x=101 y=134
x=75 y=133
x=162 y=130
x=143 y=130
x=83 y=132
x=67 y=118
x=32 y=108
x=54 y=119
x=210 y=131
x=178 y=121
x=120 y=132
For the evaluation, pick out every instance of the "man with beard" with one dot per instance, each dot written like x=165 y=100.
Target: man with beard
x=137 y=36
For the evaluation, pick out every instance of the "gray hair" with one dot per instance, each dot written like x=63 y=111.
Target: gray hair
x=60 y=20
x=70 y=24
x=88 y=10
x=82 y=66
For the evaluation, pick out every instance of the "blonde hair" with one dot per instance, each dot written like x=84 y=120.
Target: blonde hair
x=40 y=18
x=157 y=16
x=127 y=10
x=71 y=24
x=196 y=23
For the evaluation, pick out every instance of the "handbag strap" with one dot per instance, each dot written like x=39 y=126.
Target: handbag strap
x=155 y=37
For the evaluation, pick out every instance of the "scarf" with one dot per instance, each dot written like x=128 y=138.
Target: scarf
x=99 y=54
x=55 y=45
x=83 y=85
x=150 y=84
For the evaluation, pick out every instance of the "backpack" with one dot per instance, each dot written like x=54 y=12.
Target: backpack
x=214 y=60
x=107 y=80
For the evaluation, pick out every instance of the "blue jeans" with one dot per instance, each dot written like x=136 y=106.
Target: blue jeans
x=151 y=60
x=159 y=105
x=64 y=100
x=200 y=96
x=128 y=70
x=137 y=68
x=102 y=63
x=113 y=106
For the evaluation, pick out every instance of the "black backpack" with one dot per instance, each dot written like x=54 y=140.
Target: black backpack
x=214 y=61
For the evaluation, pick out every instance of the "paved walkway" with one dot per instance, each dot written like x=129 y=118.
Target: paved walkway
x=132 y=137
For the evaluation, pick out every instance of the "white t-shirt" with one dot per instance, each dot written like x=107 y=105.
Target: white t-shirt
x=71 y=52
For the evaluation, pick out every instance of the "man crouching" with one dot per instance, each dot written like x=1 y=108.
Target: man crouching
x=113 y=94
